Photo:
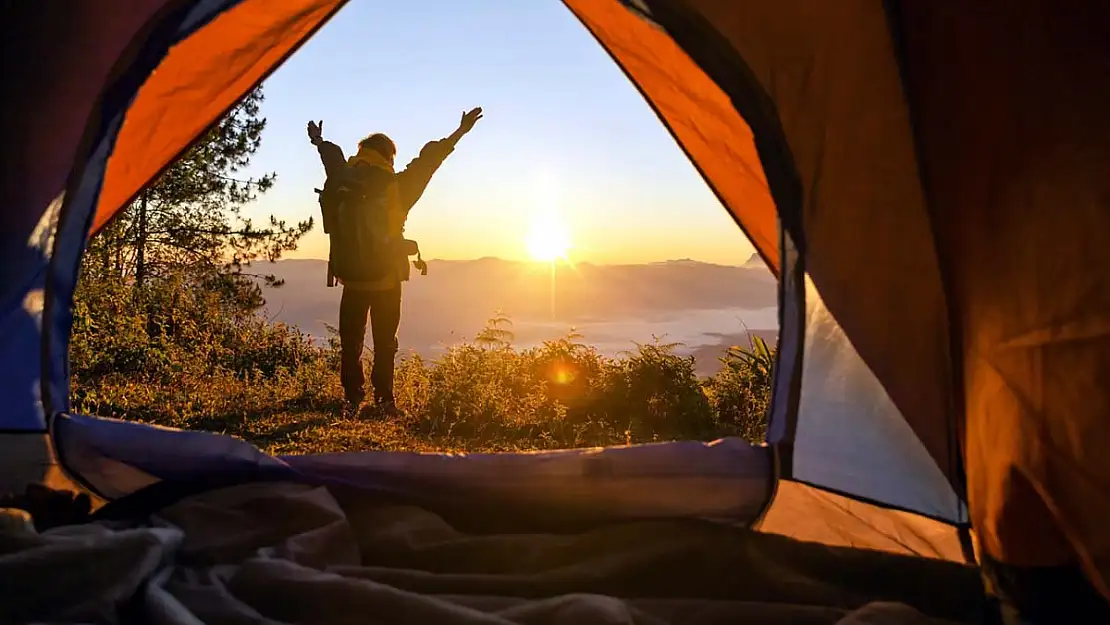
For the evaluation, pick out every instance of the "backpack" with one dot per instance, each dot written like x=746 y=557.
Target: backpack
x=331 y=199
x=329 y=210
x=351 y=256
x=342 y=192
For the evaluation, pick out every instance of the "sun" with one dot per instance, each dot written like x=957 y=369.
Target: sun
x=549 y=239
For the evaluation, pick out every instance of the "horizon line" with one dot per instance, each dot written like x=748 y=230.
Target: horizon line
x=754 y=256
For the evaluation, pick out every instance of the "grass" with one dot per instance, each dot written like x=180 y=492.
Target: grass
x=190 y=358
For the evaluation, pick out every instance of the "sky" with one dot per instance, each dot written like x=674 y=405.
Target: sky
x=565 y=138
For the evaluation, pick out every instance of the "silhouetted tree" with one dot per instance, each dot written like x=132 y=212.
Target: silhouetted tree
x=190 y=219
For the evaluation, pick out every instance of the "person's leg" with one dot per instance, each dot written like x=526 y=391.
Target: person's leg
x=385 y=318
x=353 y=307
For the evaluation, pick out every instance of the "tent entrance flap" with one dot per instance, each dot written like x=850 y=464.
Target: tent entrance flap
x=201 y=78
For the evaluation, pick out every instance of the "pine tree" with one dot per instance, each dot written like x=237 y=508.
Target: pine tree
x=190 y=220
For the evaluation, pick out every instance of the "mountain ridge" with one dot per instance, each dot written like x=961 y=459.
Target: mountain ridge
x=705 y=305
x=753 y=262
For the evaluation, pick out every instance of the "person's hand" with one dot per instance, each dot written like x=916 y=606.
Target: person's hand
x=469 y=118
x=316 y=132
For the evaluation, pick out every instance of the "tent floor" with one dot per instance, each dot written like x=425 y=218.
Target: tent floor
x=300 y=553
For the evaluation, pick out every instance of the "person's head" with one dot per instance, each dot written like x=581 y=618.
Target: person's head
x=381 y=144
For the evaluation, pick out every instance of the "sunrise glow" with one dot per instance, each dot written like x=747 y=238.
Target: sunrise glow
x=548 y=239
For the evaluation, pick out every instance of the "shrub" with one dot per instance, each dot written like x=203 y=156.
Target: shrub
x=191 y=353
x=739 y=393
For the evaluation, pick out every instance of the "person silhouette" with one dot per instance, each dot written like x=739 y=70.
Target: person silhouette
x=365 y=204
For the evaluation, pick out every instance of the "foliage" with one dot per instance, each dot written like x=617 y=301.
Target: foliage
x=191 y=219
x=498 y=333
x=187 y=355
x=739 y=393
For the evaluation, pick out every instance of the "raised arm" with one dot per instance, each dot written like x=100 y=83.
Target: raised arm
x=466 y=124
x=418 y=173
x=331 y=155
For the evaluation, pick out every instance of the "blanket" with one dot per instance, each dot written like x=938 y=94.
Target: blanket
x=281 y=553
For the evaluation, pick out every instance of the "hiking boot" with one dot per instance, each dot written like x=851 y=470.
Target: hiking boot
x=352 y=405
x=389 y=410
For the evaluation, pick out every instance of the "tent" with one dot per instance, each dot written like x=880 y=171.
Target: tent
x=930 y=182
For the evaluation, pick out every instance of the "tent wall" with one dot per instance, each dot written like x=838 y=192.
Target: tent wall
x=849 y=437
x=1010 y=101
x=980 y=293
x=58 y=57
x=833 y=78
x=954 y=159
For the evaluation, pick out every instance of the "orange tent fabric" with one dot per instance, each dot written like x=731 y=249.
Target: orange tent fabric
x=1010 y=100
x=201 y=79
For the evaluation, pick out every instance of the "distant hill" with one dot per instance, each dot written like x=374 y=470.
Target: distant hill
x=755 y=261
x=703 y=304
